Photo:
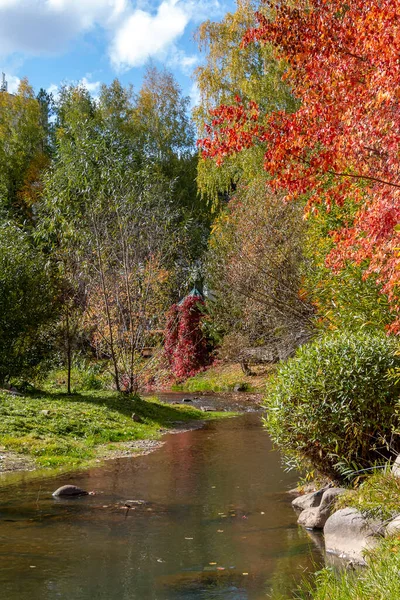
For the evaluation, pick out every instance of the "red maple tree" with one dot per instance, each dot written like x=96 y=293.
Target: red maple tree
x=185 y=344
x=342 y=144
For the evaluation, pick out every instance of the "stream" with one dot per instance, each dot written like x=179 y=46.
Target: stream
x=215 y=522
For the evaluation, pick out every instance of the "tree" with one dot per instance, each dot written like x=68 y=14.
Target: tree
x=256 y=267
x=22 y=158
x=29 y=305
x=109 y=222
x=186 y=345
x=229 y=69
x=341 y=145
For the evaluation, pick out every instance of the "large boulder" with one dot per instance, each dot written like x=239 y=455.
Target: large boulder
x=348 y=534
x=315 y=517
x=68 y=491
x=396 y=467
x=393 y=527
x=311 y=500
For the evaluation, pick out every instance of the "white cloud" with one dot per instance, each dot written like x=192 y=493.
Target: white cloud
x=12 y=82
x=46 y=26
x=92 y=86
x=136 y=29
x=194 y=95
x=144 y=35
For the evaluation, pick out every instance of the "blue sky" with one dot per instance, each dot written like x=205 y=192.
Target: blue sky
x=94 y=41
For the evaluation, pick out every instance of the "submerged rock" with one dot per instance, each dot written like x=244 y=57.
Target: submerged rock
x=67 y=491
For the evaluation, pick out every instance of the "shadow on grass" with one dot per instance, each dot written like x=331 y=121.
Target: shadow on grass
x=163 y=414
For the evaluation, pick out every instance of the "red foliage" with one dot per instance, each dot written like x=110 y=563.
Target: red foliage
x=185 y=345
x=342 y=144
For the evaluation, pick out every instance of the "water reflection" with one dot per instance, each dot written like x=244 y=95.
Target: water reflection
x=216 y=524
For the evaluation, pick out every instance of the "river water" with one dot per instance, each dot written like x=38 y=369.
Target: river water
x=216 y=522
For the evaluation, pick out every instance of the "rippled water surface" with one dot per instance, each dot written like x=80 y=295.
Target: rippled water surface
x=216 y=523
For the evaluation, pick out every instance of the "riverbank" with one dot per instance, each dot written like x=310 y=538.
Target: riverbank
x=224 y=377
x=53 y=430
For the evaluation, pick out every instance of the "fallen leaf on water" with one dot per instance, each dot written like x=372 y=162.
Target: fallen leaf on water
x=244 y=573
x=212 y=563
x=220 y=531
x=188 y=538
x=263 y=513
x=220 y=568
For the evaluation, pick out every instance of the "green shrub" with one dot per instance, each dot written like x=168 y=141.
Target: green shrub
x=333 y=408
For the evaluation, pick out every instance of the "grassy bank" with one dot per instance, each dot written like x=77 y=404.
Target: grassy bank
x=378 y=581
x=223 y=378
x=56 y=429
x=378 y=497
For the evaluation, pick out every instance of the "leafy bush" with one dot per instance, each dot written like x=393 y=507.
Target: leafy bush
x=29 y=306
x=332 y=407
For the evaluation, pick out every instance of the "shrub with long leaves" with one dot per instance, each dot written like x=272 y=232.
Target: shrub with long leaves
x=333 y=404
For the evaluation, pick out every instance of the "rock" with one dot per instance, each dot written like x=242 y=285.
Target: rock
x=320 y=507
x=137 y=418
x=187 y=400
x=45 y=412
x=313 y=518
x=311 y=500
x=67 y=491
x=240 y=387
x=130 y=503
x=394 y=526
x=329 y=497
x=208 y=409
x=396 y=467
x=348 y=534
x=15 y=392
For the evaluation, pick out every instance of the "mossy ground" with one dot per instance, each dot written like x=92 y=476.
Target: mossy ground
x=223 y=378
x=56 y=429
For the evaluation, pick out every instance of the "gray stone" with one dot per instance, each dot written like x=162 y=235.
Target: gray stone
x=394 y=526
x=329 y=497
x=240 y=387
x=137 y=418
x=348 y=534
x=396 y=467
x=313 y=518
x=320 y=507
x=311 y=500
x=67 y=491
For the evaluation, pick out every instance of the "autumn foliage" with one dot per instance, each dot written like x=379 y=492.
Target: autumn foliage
x=342 y=144
x=186 y=346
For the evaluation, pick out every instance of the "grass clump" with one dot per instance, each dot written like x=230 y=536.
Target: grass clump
x=379 y=581
x=333 y=408
x=377 y=497
x=57 y=429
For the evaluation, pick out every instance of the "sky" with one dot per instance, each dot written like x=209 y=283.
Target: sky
x=93 y=41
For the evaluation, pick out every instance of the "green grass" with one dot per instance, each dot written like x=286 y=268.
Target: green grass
x=57 y=429
x=377 y=497
x=222 y=378
x=379 y=581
